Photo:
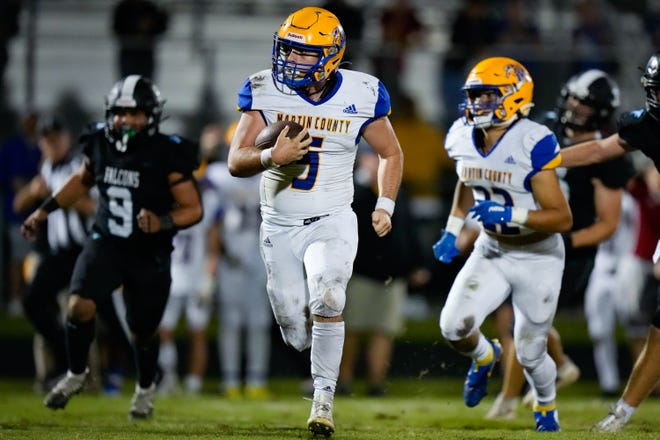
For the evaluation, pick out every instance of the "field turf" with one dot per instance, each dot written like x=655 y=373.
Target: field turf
x=413 y=409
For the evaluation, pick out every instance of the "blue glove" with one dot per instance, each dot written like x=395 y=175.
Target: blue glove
x=445 y=249
x=487 y=211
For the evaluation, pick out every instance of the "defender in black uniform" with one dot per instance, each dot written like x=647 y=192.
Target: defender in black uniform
x=638 y=130
x=587 y=102
x=146 y=192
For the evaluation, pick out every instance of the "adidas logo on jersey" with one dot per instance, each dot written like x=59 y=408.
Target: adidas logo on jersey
x=510 y=160
x=351 y=109
x=267 y=242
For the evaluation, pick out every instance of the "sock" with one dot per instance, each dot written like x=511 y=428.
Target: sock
x=542 y=379
x=146 y=359
x=483 y=352
x=168 y=359
x=229 y=343
x=327 y=346
x=605 y=360
x=628 y=410
x=79 y=336
x=258 y=354
x=193 y=383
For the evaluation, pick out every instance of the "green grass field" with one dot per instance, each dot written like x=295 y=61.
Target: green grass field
x=413 y=409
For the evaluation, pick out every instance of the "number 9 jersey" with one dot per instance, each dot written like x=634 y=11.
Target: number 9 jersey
x=134 y=179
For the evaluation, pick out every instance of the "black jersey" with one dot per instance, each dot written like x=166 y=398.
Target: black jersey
x=642 y=132
x=134 y=179
x=614 y=174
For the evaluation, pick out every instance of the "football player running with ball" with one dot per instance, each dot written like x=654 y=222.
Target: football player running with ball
x=506 y=164
x=146 y=193
x=309 y=232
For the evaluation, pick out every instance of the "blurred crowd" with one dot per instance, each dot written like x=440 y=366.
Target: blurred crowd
x=477 y=29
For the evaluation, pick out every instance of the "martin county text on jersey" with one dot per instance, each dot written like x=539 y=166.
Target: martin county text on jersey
x=478 y=173
x=323 y=123
x=121 y=177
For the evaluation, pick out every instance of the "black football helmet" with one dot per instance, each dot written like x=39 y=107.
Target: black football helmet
x=133 y=92
x=592 y=88
x=651 y=83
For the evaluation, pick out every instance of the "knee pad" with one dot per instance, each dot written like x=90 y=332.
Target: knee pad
x=81 y=309
x=328 y=297
x=296 y=336
x=455 y=328
x=530 y=352
x=598 y=330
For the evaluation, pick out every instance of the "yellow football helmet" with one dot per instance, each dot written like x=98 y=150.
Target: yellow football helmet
x=309 y=29
x=510 y=87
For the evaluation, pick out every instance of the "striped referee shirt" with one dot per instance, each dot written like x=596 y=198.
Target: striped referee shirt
x=66 y=227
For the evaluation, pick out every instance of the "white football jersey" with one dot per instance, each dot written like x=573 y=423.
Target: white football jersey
x=239 y=203
x=504 y=174
x=190 y=247
x=324 y=183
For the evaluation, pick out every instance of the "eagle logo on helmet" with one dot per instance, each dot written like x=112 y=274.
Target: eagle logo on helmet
x=517 y=71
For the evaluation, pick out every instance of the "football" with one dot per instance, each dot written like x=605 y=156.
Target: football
x=268 y=136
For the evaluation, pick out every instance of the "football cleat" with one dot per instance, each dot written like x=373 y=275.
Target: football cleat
x=232 y=392
x=547 y=418
x=476 y=381
x=66 y=388
x=142 y=403
x=615 y=421
x=256 y=392
x=504 y=408
x=320 y=419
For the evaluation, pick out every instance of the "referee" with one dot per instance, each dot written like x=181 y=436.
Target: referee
x=66 y=232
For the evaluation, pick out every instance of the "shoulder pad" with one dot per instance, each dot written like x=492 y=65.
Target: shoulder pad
x=90 y=130
x=631 y=118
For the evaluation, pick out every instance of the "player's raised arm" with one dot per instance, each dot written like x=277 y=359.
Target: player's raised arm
x=595 y=151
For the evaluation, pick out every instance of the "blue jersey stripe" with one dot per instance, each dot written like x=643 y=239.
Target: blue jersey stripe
x=245 y=96
x=544 y=152
x=383 y=106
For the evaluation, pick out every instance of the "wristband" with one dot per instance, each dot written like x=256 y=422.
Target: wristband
x=267 y=159
x=166 y=222
x=454 y=225
x=386 y=204
x=49 y=205
x=519 y=215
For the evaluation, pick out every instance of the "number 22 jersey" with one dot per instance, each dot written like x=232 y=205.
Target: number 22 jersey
x=504 y=173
